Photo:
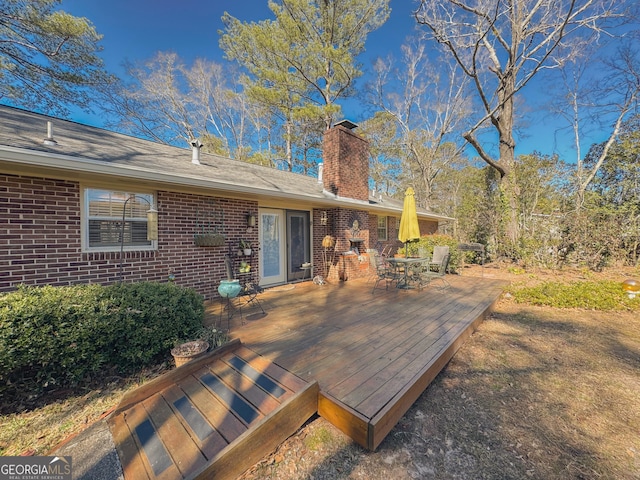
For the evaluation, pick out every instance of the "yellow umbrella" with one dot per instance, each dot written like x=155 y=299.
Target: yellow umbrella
x=409 y=228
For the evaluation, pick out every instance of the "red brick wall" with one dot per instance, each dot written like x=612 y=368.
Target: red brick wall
x=345 y=164
x=427 y=227
x=339 y=225
x=40 y=239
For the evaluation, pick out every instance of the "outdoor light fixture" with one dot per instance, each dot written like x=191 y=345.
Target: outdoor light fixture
x=323 y=218
x=251 y=220
x=152 y=225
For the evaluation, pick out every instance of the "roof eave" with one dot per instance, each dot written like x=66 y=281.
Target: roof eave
x=46 y=160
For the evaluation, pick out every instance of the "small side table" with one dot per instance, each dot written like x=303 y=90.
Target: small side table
x=306 y=270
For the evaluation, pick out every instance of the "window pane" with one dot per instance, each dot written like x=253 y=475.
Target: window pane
x=108 y=234
x=382 y=228
x=105 y=210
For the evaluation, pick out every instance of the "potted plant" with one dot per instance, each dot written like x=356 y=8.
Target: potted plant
x=245 y=246
x=187 y=350
x=229 y=288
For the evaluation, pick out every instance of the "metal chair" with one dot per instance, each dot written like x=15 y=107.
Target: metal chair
x=436 y=271
x=248 y=294
x=383 y=270
x=438 y=254
x=387 y=250
x=420 y=273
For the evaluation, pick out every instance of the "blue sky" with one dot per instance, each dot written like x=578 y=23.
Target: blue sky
x=137 y=29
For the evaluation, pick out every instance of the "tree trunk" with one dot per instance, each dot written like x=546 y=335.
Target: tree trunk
x=509 y=190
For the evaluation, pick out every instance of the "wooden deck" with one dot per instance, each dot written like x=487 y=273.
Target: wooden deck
x=359 y=359
x=372 y=354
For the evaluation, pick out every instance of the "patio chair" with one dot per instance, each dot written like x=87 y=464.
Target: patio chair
x=420 y=273
x=373 y=265
x=439 y=252
x=383 y=270
x=387 y=251
x=436 y=272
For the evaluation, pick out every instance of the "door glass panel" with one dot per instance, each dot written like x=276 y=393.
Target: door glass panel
x=272 y=247
x=298 y=236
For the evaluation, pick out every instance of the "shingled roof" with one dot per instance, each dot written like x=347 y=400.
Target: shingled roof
x=79 y=149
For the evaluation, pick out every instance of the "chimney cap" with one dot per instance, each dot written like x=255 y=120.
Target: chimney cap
x=347 y=124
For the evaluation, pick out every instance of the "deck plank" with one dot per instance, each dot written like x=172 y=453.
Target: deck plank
x=229 y=426
x=370 y=353
x=203 y=431
x=133 y=465
x=186 y=455
x=150 y=446
x=285 y=378
x=260 y=399
x=370 y=385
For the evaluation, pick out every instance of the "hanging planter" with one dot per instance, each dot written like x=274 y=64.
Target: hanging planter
x=208 y=240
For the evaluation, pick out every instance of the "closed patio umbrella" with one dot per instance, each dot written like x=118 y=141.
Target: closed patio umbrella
x=409 y=228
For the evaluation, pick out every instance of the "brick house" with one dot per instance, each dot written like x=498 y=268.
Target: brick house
x=67 y=187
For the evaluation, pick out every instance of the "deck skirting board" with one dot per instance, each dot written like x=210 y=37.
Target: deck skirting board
x=344 y=418
x=387 y=418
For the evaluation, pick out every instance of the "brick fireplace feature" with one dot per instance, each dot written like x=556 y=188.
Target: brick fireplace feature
x=346 y=162
x=346 y=175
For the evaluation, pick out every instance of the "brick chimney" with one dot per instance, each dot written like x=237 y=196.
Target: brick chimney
x=345 y=162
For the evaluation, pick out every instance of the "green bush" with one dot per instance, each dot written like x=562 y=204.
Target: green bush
x=64 y=336
x=601 y=295
x=427 y=242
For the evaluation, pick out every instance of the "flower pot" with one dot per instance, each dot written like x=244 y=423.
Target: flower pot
x=229 y=288
x=247 y=251
x=189 y=351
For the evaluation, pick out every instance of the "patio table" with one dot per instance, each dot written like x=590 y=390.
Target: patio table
x=406 y=262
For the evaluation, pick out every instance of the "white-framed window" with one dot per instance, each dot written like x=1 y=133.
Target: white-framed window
x=102 y=220
x=382 y=228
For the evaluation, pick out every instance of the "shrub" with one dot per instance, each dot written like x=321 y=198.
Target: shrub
x=64 y=336
x=602 y=295
x=427 y=242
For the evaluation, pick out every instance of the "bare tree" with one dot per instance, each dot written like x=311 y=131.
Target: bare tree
x=501 y=45
x=426 y=101
x=153 y=104
x=621 y=88
x=170 y=102
x=606 y=101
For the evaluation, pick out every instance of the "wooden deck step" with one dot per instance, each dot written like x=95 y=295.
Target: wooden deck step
x=210 y=418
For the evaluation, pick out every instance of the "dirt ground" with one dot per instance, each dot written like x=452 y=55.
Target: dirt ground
x=534 y=393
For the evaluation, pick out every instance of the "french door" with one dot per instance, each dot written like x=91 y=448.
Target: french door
x=272 y=258
x=285 y=244
x=298 y=244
